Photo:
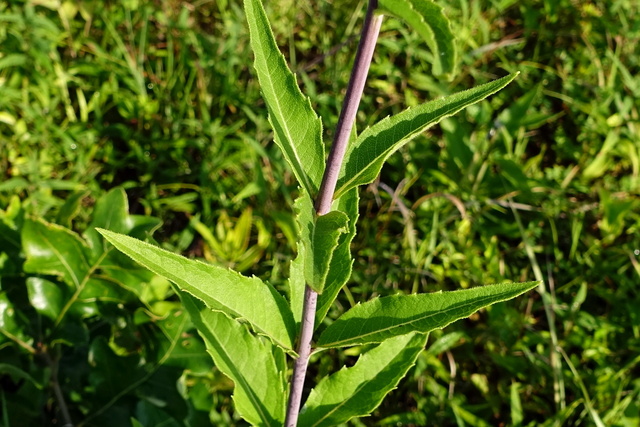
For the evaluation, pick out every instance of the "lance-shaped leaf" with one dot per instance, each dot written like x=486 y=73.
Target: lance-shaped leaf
x=358 y=390
x=297 y=128
x=221 y=289
x=303 y=207
x=254 y=365
x=364 y=158
x=321 y=246
x=341 y=262
x=383 y=318
x=428 y=20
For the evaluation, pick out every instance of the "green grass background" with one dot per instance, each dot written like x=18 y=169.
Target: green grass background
x=541 y=181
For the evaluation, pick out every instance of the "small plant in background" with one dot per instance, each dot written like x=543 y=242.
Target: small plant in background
x=95 y=332
x=250 y=328
x=228 y=244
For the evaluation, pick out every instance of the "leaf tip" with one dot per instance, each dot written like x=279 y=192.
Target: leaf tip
x=103 y=232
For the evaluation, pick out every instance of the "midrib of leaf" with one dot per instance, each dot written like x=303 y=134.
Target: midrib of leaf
x=79 y=289
x=64 y=262
x=279 y=112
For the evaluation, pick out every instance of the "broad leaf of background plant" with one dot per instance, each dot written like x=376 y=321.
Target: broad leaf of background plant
x=10 y=327
x=327 y=229
x=182 y=347
x=256 y=367
x=341 y=262
x=45 y=296
x=427 y=18
x=383 y=318
x=71 y=208
x=53 y=249
x=238 y=296
x=10 y=223
x=297 y=128
x=112 y=213
x=358 y=390
x=365 y=157
x=116 y=374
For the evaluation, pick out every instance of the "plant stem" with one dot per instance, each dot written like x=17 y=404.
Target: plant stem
x=304 y=351
x=55 y=385
x=357 y=80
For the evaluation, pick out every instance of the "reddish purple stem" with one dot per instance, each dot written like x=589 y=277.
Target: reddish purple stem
x=357 y=81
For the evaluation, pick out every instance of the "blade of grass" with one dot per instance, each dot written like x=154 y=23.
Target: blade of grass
x=548 y=299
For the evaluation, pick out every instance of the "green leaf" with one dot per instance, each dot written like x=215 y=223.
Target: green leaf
x=518 y=113
x=428 y=20
x=357 y=391
x=115 y=374
x=364 y=158
x=463 y=416
x=341 y=261
x=18 y=374
x=11 y=252
x=13 y=60
x=52 y=249
x=383 y=318
x=161 y=400
x=186 y=352
x=112 y=213
x=149 y=412
x=339 y=268
x=10 y=327
x=238 y=296
x=71 y=207
x=324 y=239
x=72 y=334
x=256 y=367
x=45 y=296
x=297 y=128
x=119 y=272
x=303 y=206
